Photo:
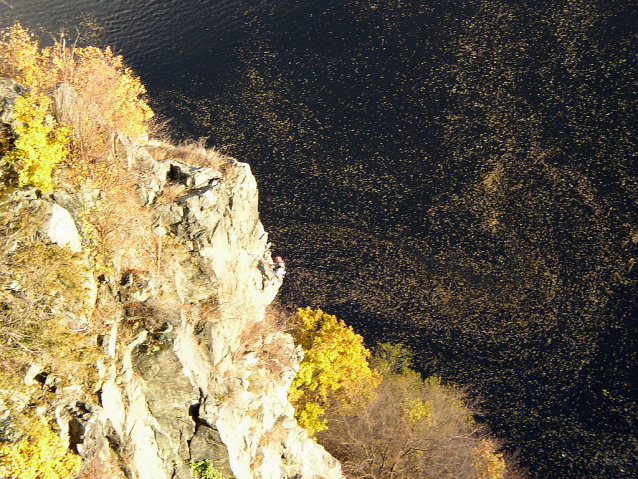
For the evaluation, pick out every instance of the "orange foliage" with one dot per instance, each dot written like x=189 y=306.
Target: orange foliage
x=97 y=74
x=101 y=76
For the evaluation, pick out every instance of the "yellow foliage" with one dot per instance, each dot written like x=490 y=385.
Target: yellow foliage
x=309 y=417
x=489 y=465
x=40 y=143
x=334 y=372
x=392 y=359
x=21 y=58
x=420 y=411
x=113 y=100
x=434 y=382
x=41 y=455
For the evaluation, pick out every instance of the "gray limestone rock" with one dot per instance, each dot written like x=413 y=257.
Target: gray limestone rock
x=191 y=176
x=169 y=394
x=181 y=377
x=169 y=214
x=207 y=444
x=9 y=91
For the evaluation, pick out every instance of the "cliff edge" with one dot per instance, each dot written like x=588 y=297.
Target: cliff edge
x=184 y=363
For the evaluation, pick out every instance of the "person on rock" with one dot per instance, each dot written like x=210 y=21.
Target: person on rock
x=276 y=273
x=278 y=268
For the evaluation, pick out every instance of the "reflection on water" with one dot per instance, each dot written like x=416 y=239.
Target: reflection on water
x=459 y=176
x=158 y=38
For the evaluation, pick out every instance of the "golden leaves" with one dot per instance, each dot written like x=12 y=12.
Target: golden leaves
x=113 y=98
x=334 y=372
x=97 y=74
x=40 y=455
x=40 y=143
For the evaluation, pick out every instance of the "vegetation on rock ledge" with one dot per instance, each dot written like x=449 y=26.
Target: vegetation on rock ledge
x=112 y=101
x=40 y=455
x=379 y=416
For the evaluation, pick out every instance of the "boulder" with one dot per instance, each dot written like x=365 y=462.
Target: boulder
x=60 y=228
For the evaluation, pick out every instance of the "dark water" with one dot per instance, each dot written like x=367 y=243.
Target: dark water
x=456 y=175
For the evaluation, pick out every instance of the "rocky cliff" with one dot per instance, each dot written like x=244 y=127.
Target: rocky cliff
x=188 y=367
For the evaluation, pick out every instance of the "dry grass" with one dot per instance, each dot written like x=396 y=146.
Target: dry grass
x=280 y=317
x=254 y=336
x=191 y=152
x=170 y=194
x=276 y=319
x=207 y=311
x=107 y=308
x=196 y=154
x=91 y=140
x=159 y=147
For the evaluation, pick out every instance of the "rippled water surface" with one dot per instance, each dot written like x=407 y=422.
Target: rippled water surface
x=456 y=175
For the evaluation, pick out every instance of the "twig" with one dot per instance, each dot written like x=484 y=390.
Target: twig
x=20 y=344
x=73 y=52
x=159 y=245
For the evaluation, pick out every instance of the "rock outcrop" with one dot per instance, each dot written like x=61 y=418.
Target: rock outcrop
x=188 y=369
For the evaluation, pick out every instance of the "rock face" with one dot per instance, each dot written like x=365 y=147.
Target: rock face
x=189 y=369
x=9 y=91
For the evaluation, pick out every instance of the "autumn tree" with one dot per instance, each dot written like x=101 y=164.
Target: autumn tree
x=334 y=373
x=97 y=74
x=22 y=59
x=102 y=77
x=410 y=428
x=378 y=415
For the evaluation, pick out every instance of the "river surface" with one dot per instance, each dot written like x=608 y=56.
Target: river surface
x=458 y=175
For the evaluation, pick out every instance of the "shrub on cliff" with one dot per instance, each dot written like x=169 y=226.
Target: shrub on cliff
x=22 y=59
x=39 y=455
x=40 y=144
x=205 y=470
x=38 y=282
x=378 y=415
x=334 y=372
x=97 y=74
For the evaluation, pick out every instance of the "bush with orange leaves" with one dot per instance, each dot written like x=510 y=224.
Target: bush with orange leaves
x=109 y=89
x=22 y=59
x=101 y=76
x=97 y=74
